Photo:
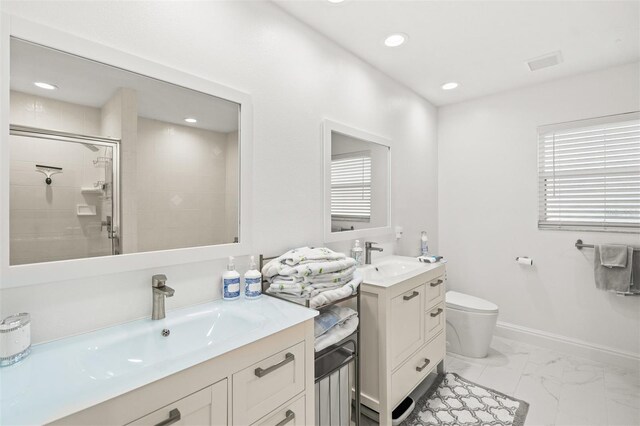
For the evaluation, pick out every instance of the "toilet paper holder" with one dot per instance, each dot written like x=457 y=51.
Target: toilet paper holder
x=524 y=260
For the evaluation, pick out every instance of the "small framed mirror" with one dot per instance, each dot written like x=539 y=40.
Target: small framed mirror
x=357 y=183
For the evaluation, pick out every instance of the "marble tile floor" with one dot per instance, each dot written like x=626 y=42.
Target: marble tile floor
x=561 y=389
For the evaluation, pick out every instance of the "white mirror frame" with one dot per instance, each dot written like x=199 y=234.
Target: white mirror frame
x=329 y=127
x=20 y=275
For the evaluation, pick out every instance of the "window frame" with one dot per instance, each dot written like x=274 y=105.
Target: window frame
x=578 y=125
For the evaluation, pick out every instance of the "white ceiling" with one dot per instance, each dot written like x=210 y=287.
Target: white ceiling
x=483 y=45
x=89 y=83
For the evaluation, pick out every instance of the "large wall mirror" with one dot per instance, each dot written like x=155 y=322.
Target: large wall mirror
x=104 y=161
x=357 y=176
x=107 y=154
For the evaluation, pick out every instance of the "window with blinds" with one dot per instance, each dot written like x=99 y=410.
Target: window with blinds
x=351 y=187
x=589 y=174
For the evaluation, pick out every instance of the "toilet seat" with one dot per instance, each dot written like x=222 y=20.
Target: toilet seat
x=467 y=303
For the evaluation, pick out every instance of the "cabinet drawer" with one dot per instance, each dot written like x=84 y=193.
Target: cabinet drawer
x=205 y=407
x=267 y=384
x=407 y=324
x=291 y=414
x=405 y=379
x=434 y=321
x=435 y=291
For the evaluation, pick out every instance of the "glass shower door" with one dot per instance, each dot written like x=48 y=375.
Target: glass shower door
x=63 y=197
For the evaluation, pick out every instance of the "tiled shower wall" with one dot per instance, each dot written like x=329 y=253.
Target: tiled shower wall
x=182 y=174
x=43 y=218
x=186 y=189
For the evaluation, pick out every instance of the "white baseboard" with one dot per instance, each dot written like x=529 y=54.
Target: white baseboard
x=569 y=345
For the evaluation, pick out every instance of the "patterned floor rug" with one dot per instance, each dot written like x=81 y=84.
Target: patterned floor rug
x=453 y=400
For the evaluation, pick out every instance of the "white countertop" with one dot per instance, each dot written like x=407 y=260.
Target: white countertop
x=63 y=377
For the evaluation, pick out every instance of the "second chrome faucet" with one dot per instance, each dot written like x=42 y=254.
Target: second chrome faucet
x=368 y=248
x=160 y=292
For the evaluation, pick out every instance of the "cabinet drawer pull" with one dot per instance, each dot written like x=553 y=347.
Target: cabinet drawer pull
x=437 y=283
x=414 y=294
x=290 y=416
x=438 y=312
x=261 y=372
x=174 y=416
x=423 y=366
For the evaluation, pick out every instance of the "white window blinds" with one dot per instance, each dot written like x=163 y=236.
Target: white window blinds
x=351 y=186
x=589 y=174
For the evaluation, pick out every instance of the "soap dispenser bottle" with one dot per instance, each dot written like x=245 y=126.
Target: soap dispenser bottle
x=356 y=253
x=231 y=282
x=424 y=244
x=252 y=281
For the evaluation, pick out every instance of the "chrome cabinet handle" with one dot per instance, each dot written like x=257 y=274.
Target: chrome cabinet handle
x=290 y=416
x=261 y=372
x=438 y=312
x=423 y=366
x=437 y=283
x=174 y=416
x=414 y=294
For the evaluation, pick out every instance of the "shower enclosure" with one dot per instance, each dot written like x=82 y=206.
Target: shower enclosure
x=64 y=198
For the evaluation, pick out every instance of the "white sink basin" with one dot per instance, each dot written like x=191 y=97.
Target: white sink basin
x=391 y=270
x=394 y=267
x=142 y=347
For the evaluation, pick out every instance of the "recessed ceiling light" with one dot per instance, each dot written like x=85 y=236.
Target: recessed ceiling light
x=449 y=86
x=395 y=40
x=190 y=120
x=336 y=1
x=46 y=86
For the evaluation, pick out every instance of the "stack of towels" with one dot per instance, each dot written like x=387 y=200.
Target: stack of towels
x=318 y=275
x=616 y=268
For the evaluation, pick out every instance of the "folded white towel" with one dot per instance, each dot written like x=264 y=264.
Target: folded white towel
x=321 y=296
x=308 y=254
x=330 y=317
x=343 y=276
x=336 y=333
x=274 y=268
x=330 y=296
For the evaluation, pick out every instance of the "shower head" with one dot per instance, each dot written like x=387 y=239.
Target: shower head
x=48 y=171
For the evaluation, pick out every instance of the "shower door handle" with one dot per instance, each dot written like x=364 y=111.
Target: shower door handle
x=108 y=224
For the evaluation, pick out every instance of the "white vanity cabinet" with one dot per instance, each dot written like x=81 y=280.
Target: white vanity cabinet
x=403 y=336
x=267 y=382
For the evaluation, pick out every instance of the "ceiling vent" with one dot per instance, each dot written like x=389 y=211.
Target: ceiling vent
x=548 y=60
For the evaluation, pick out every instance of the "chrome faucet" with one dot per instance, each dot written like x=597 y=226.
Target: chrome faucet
x=160 y=291
x=368 y=248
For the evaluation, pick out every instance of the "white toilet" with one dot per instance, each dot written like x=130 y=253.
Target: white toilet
x=470 y=324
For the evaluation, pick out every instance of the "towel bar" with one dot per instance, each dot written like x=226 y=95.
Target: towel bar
x=580 y=245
